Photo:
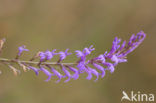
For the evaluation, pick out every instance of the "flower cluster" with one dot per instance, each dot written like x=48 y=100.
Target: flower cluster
x=94 y=67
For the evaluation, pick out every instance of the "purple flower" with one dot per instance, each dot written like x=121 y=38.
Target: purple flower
x=47 y=73
x=81 y=67
x=100 y=58
x=115 y=46
x=84 y=68
x=42 y=56
x=93 y=71
x=89 y=77
x=88 y=51
x=117 y=60
x=34 y=69
x=63 y=55
x=76 y=72
x=21 y=49
x=53 y=52
x=84 y=53
x=133 y=38
x=47 y=55
x=122 y=47
x=59 y=75
x=110 y=66
x=80 y=54
x=99 y=67
x=67 y=74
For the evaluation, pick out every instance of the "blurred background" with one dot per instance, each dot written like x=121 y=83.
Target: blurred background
x=75 y=24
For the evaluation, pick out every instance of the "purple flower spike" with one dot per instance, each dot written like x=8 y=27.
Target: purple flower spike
x=63 y=55
x=72 y=70
x=21 y=49
x=47 y=73
x=34 y=69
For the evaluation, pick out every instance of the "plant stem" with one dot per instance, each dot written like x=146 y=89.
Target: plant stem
x=32 y=62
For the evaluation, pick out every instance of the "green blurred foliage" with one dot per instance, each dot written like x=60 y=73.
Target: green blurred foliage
x=74 y=24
